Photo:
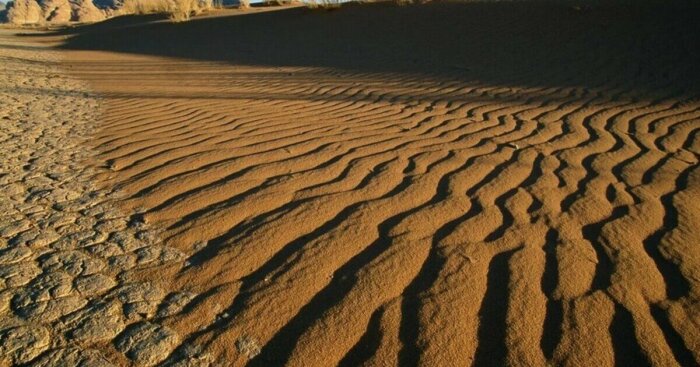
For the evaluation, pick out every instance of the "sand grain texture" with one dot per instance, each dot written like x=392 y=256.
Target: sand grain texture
x=448 y=184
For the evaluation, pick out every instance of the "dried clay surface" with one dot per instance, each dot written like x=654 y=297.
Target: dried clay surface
x=65 y=250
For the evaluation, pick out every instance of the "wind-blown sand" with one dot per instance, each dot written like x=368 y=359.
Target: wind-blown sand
x=510 y=183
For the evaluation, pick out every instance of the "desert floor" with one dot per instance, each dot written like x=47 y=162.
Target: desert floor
x=449 y=184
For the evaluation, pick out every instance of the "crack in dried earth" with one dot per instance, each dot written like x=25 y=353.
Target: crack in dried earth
x=66 y=251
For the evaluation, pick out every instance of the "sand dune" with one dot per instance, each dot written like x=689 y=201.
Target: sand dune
x=447 y=184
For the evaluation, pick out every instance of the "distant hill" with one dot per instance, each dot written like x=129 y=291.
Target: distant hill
x=64 y=11
x=53 y=11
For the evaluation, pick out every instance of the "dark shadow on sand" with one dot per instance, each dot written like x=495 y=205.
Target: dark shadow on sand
x=643 y=47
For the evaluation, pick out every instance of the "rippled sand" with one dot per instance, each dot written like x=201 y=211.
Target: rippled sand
x=447 y=184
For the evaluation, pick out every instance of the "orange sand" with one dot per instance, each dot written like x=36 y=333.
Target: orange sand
x=446 y=184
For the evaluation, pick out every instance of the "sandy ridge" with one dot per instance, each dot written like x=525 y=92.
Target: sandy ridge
x=349 y=229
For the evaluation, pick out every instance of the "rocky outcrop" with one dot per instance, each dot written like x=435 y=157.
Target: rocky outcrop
x=53 y=11
x=56 y=11
x=25 y=12
x=86 y=11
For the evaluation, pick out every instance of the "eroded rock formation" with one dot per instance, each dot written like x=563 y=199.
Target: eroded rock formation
x=53 y=11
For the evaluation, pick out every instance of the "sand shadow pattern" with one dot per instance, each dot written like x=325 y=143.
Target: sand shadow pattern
x=521 y=193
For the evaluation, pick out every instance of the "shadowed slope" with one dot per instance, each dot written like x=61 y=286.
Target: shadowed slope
x=495 y=42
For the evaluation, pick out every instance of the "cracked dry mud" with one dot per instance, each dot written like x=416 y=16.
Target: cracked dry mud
x=65 y=250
